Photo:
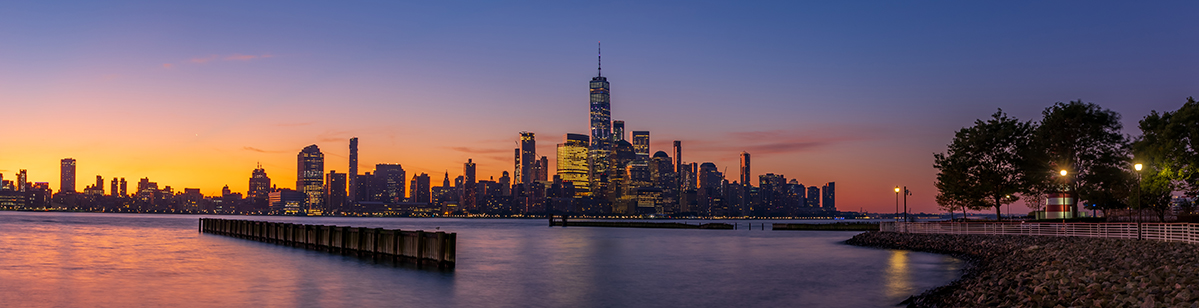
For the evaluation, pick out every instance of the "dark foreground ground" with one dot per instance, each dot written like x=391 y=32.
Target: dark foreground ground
x=1046 y=271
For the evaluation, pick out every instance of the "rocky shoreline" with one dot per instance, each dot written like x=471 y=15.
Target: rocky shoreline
x=1047 y=271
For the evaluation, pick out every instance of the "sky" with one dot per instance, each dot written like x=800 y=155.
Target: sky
x=195 y=94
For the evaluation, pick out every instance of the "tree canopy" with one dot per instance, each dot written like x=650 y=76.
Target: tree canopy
x=984 y=165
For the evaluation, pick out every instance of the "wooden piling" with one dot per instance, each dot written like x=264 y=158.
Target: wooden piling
x=433 y=248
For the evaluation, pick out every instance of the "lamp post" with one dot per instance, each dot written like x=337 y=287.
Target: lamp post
x=1138 y=199
x=896 y=202
x=906 y=193
x=1065 y=192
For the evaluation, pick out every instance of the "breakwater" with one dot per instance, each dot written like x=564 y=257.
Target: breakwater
x=1045 y=271
x=840 y=226
x=419 y=247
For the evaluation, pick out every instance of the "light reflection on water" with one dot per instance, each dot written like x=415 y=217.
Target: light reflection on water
x=82 y=259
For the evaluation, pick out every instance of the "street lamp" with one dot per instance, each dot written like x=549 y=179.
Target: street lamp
x=1064 y=172
x=1138 y=199
x=906 y=193
x=896 y=202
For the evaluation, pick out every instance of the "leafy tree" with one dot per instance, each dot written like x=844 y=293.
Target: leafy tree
x=1085 y=140
x=1169 y=144
x=983 y=166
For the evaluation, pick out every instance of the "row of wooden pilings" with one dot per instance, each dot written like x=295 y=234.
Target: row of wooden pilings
x=419 y=247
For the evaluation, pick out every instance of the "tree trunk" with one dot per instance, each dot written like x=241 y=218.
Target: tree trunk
x=998 y=205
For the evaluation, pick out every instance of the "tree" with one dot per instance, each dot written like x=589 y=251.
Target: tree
x=1169 y=143
x=1085 y=140
x=983 y=166
x=1167 y=148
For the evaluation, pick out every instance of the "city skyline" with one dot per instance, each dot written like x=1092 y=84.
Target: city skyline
x=845 y=97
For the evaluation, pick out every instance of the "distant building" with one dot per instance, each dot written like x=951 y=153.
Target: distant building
x=390 y=181
x=572 y=162
x=469 y=200
x=114 y=189
x=420 y=188
x=528 y=158
x=601 y=134
x=543 y=169
x=813 y=197
x=287 y=201
x=641 y=144
x=351 y=195
x=829 y=197
x=260 y=184
x=335 y=192
x=617 y=131
x=67 y=176
x=23 y=181
x=310 y=177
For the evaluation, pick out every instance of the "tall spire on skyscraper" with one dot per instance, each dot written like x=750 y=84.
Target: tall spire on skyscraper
x=600 y=58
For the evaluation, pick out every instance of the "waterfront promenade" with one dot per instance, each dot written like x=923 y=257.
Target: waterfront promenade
x=1054 y=271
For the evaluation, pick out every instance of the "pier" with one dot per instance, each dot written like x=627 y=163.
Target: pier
x=840 y=226
x=419 y=247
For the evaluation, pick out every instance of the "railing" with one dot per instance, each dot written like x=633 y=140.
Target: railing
x=1170 y=232
x=436 y=248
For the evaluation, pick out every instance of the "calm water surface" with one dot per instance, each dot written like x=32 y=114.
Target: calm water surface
x=116 y=260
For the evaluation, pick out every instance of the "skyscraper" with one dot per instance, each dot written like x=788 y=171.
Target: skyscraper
x=543 y=169
x=468 y=185
x=641 y=144
x=420 y=188
x=67 y=176
x=829 y=197
x=260 y=184
x=124 y=188
x=352 y=196
x=114 y=189
x=23 y=181
x=310 y=177
x=617 y=131
x=813 y=196
x=572 y=162
x=601 y=133
x=390 y=182
x=335 y=191
x=746 y=176
x=516 y=167
x=99 y=187
x=528 y=158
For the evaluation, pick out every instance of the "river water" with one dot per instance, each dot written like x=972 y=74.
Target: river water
x=121 y=260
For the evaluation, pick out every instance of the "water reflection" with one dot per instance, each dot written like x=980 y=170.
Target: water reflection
x=899 y=280
x=65 y=259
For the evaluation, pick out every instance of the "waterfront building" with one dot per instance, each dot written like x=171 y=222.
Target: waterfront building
x=813 y=197
x=390 y=181
x=641 y=144
x=335 y=192
x=260 y=184
x=543 y=169
x=469 y=195
x=420 y=188
x=618 y=131
x=113 y=188
x=352 y=177
x=124 y=188
x=601 y=133
x=310 y=173
x=829 y=197
x=66 y=182
x=528 y=158
x=572 y=162
x=288 y=202
x=505 y=185
x=23 y=181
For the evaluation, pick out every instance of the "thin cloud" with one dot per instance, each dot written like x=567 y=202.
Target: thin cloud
x=259 y=150
x=478 y=151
